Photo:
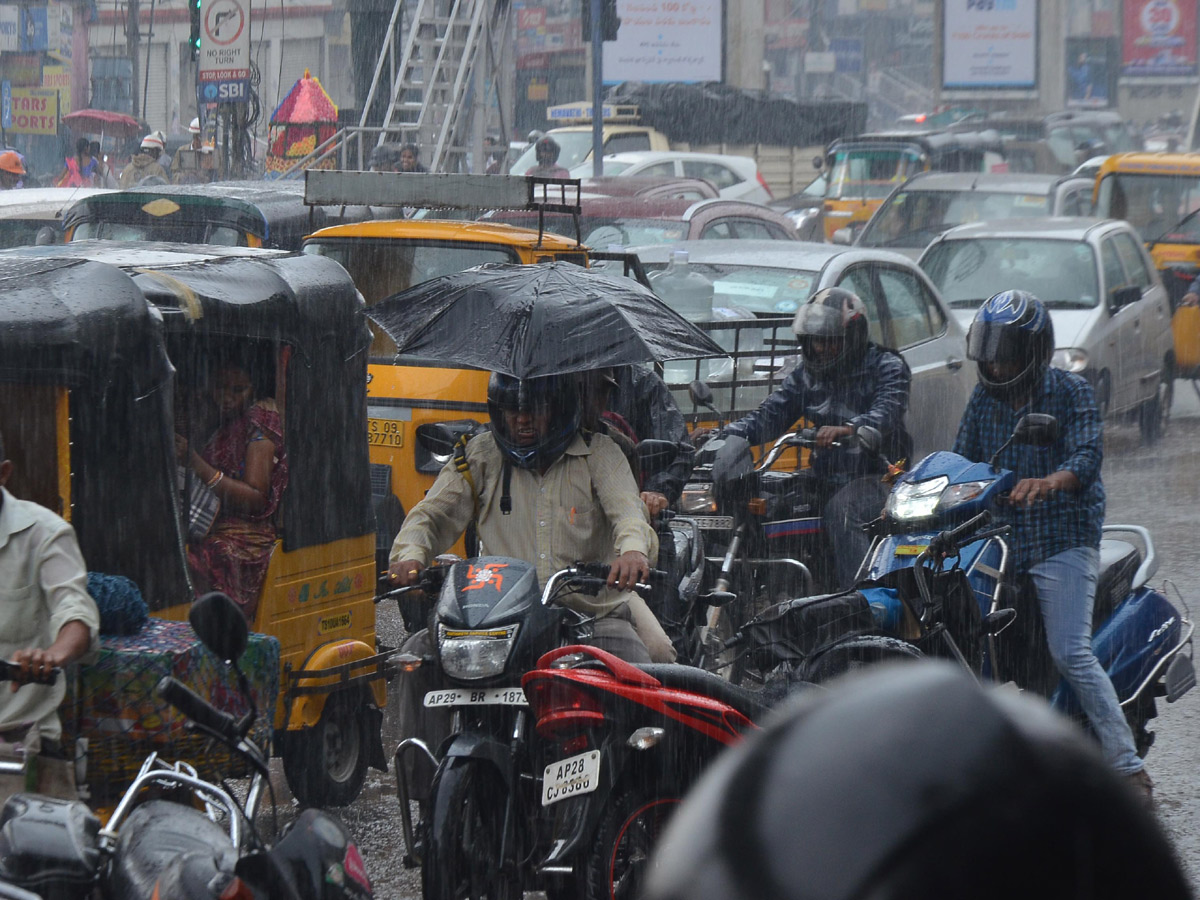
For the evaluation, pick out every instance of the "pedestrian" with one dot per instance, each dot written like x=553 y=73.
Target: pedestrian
x=409 y=160
x=145 y=163
x=12 y=170
x=104 y=176
x=546 y=150
x=1056 y=508
x=79 y=168
x=47 y=620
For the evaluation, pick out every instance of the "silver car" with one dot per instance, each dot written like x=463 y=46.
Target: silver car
x=1111 y=314
x=768 y=279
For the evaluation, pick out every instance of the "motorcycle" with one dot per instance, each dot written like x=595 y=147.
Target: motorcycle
x=166 y=838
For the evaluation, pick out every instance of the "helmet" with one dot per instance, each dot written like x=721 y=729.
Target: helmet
x=152 y=142
x=833 y=313
x=1011 y=329
x=912 y=781
x=194 y=127
x=549 y=144
x=556 y=396
x=10 y=161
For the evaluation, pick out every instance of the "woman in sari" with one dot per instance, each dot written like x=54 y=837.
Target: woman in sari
x=245 y=466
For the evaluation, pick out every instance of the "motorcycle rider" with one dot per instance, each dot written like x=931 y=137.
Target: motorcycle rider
x=909 y=782
x=843 y=381
x=1056 y=508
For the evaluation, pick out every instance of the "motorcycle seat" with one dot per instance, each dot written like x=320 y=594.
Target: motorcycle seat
x=155 y=835
x=698 y=681
x=1119 y=561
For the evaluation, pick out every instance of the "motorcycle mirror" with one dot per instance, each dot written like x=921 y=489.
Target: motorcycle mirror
x=869 y=438
x=439 y=438
x=700 y=393
x=655 y=456
x=220 y=625
x=1036 y=429
x=718 y=598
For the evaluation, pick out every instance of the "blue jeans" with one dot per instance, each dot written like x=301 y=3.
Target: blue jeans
x=1066 y=590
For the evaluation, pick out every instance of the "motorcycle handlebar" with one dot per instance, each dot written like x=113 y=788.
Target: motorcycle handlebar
x=198 y=709
x=948 y=540
x=10 y=671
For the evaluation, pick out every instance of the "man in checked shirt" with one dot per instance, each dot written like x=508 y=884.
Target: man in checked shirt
x=1056 y=509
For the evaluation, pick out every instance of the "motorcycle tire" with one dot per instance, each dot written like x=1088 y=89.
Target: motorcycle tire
x=463 y=836
x=326 y=765
x=857 y=653
x=617 y=867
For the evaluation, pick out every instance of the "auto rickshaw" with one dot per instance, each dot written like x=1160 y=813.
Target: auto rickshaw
x=236 y=214
x=99 y=341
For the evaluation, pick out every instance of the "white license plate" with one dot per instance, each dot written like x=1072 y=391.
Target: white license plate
x=477 y=697
x=571 y=777
x=714 y=523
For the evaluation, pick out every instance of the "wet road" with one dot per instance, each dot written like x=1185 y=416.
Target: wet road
x=1157 y=487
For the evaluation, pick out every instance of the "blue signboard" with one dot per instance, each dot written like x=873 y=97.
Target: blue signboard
x=848 y=53
x=35 y=31
x=5 y=104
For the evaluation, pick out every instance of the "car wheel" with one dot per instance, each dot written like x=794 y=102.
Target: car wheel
x=1156 y=412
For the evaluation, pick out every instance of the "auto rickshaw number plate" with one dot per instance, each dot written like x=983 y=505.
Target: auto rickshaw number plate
x=385 y=433
x=571 y=777
x=512 y=696
x=714 y=523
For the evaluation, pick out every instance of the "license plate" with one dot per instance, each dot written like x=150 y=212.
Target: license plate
x=910 y=549
x=571 y=777
x=385 y=433
x=714 y=523
x=476 y=697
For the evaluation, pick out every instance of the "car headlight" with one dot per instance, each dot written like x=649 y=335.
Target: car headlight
x=697 y=499
x=473 y=655
x=1073 y=359
x=916 y=499
x=961 y=493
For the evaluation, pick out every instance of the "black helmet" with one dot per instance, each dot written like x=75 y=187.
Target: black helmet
x=1012 y=329
x=912 y=781
x=833 y=313
x=557 y=396
x=547 y=144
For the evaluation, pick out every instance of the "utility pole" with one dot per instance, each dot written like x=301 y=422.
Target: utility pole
x=133 y=41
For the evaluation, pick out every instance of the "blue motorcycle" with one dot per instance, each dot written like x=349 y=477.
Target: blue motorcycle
x=938 y=580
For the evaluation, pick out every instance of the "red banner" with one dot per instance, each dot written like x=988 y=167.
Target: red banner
x=1159 y=38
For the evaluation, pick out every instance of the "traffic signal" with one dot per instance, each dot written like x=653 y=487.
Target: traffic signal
x=194 y=38
x=609 y=21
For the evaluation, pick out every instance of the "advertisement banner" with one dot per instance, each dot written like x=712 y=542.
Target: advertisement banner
x=665 y=40
x=1159 y=38
x=989 y=45
x=1091 y=72
x=34 y=111
x=59 y=78
x=10 y=29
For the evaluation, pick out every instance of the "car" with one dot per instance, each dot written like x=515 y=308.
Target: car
x=1058 y=142
x=1111 y=314
x=670 y=187
x=736 y=177
x=34 y=215
x=806 y=209
x=929 y=203
x=608 y=222
x=772 y=279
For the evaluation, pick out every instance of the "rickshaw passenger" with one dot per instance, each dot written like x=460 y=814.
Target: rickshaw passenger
x=245 y=465
x=47 y=620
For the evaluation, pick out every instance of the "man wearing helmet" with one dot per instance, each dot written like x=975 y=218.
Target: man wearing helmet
x=546 y=150
x=542 y=490
x=842 y=382
x=1056 y=508
x=145 y=163
x=12 y=170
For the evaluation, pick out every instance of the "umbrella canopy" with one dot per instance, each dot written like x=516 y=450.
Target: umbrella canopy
x=535 y=320
x=103 y=120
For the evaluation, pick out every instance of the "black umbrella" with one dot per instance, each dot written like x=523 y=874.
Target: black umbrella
x=533 y=320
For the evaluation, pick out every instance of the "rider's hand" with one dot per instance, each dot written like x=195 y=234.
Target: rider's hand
x=404 y=572
x=1029 y=491
x=655 y=502
x=827 y=434
x=628 y=569
x=34 y=662
x=1190 y=299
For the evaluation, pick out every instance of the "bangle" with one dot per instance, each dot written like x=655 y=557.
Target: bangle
x=216 y=479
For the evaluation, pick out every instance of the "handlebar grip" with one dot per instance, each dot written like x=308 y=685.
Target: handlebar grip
x=197 y=708
x=10 y=671
x=954 y=535
x=593 y=570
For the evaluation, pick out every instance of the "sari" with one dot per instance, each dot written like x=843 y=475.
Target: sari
x=233 y=557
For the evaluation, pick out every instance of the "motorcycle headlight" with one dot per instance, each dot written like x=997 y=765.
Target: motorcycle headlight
x=1073 y=359
x=916 y=499
x=961 y=493
x=697 y=499
x=473 y=655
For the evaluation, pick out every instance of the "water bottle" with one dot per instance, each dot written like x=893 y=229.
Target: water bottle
x=688 y=293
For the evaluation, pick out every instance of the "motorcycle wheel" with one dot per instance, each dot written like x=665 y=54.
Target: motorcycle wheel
x=326 y=765
x=617 y=867
x=857 y=653
x=463 y=836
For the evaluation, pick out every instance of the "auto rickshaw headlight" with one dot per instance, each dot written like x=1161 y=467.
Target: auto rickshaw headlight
x=470 y=655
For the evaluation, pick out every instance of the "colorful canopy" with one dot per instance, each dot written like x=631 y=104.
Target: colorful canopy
x=305 y=104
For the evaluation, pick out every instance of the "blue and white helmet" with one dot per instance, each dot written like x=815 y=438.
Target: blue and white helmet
x=1011 y=330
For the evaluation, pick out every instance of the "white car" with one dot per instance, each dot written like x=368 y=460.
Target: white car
x=735 y=177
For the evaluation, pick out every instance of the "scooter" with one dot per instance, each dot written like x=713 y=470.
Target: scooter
x=207 y=848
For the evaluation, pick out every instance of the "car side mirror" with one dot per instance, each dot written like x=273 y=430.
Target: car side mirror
x=844 y=236
x=1036 y=430
x=220 y=625
x=1124 y=296
x=700 y=393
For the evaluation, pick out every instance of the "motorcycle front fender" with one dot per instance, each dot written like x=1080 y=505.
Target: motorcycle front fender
x=483 y=747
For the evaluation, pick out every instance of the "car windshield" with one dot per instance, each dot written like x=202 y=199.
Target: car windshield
x=762 y=290
x=573 y=148
x=1153 y=204
x=870 y=173
x=1061 y=273
x=184 y=233
x=914 y=218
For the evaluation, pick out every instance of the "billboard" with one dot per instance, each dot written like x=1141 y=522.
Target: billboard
x=1159 y=38
x=1091 y=72
x=34 y=111
x=665 y=40
x=989 y=45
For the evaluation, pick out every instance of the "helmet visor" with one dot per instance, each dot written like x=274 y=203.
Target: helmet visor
x=818 y=320
x=1001 y=345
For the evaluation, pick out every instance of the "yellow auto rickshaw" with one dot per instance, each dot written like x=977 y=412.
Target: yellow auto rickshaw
x=98 y=344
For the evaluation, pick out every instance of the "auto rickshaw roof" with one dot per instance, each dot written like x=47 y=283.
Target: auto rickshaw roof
x=42 y=203
x=1141 y=163
x=930 y=141
x=74 y=321
x=446 y=230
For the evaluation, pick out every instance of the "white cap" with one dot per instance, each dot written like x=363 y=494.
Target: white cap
x=194 y=128
x=152 y=142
